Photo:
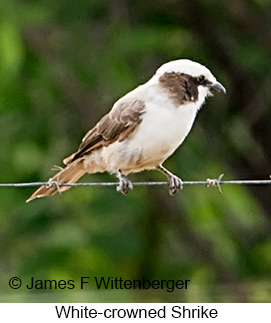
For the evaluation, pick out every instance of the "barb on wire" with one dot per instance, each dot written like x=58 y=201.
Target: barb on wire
x=215 y=183
x=208 y=183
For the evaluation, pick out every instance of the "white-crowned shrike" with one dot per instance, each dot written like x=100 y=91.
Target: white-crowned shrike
x=142 y=129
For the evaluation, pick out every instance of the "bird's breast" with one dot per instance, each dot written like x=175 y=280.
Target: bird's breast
x=164 y=128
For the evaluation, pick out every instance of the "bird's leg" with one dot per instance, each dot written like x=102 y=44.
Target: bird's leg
x=124 y=184
x=174 y=182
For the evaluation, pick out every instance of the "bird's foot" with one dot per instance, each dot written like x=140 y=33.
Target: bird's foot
x=124 y=184
x=174 y=184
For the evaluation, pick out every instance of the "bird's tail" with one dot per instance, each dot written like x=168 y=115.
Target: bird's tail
x=70 y=174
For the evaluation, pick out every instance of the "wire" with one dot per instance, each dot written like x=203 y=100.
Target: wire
x=208 y=182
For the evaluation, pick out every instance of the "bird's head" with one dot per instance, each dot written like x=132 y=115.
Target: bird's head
x=187 y=81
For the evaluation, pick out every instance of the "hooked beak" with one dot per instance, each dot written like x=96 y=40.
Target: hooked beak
x=216 y=87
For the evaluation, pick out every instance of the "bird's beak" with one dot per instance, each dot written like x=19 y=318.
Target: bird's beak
x=216 y=87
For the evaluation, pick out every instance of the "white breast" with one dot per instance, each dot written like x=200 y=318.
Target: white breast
x=163 y=129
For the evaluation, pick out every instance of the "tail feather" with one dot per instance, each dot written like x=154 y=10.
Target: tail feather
x=70 y=174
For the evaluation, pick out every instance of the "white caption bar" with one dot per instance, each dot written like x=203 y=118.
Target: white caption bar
x=102 y=312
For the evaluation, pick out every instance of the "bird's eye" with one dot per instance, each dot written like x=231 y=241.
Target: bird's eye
x=201 y=79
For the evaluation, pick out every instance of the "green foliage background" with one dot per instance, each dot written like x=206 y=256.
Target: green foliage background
x=62 y=66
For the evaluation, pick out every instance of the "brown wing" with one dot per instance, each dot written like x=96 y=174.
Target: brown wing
x=118 y=124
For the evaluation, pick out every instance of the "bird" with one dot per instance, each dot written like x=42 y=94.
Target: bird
x=143 y=128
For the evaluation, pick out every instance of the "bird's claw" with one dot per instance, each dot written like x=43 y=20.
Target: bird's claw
x=174 y=184
x=124 y=185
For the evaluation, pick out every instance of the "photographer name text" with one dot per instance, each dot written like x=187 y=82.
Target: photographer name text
x=110 y=283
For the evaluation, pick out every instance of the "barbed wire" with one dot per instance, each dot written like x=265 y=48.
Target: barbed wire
x=208 y=182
